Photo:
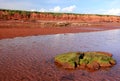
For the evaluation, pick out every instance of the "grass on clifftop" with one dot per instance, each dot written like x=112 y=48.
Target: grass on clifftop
x=53 y=13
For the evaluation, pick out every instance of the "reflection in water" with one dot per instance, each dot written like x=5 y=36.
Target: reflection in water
x=32 y=58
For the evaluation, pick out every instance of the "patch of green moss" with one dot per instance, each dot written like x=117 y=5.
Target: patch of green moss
x=68 y=58
x=92 y=59
x=83 y=61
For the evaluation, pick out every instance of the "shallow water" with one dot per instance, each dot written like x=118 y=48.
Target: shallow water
x=32 y=58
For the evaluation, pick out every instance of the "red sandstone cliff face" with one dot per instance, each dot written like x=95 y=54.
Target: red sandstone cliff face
x=7 y=15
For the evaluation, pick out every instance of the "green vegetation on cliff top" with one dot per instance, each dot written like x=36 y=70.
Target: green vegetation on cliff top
x=53 y=13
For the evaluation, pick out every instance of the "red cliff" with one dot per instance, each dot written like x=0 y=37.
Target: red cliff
x=26 y=15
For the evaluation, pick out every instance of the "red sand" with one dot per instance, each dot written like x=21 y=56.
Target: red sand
x=32 y=60
x=21 y=29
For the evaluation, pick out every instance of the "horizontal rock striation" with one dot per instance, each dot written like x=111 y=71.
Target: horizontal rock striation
x=38 y=16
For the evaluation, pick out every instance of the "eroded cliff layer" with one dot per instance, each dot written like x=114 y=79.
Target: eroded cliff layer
x=36 y=16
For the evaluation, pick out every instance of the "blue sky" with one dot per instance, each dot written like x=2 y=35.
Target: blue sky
x=110 y=7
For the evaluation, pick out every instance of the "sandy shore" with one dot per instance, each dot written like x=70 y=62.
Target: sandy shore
x=32 y=58
x=21 y=29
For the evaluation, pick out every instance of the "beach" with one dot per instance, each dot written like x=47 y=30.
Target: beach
x=11 y=29
x=27 y=54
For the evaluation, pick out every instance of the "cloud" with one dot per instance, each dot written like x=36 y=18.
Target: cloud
x=15 y=5
x=42 y=10
x=112 y=11
x=56 y=9
x=59 y=9
x=69 y=9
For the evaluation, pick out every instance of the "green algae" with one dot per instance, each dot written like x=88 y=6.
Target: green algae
x=90 y=60
x=67 y=58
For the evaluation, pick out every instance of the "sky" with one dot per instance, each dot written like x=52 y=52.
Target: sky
x=108 y=7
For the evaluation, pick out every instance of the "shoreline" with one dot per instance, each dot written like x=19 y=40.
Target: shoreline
x=21 y=29
x=32 y=58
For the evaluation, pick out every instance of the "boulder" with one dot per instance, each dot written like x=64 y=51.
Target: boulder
x=89 y=60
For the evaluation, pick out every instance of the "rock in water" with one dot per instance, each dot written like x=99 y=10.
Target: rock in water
x=90 y=60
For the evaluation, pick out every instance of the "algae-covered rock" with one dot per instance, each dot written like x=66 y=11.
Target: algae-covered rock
x=68 y=60
x=91 y=60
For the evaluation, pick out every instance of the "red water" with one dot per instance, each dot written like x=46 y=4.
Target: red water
x=32 y=58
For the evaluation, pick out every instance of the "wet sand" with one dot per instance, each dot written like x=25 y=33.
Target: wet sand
x=32 y=58
x=11 y=29
x=27 y=54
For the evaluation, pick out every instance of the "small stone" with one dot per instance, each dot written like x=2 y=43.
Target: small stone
x=93 y=66
x=113 y=62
